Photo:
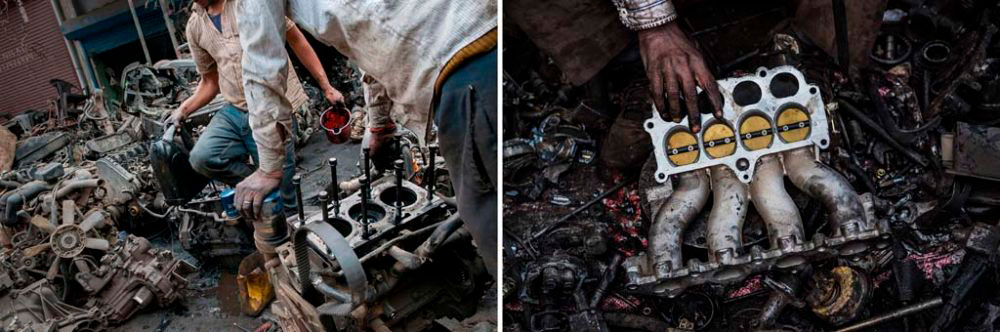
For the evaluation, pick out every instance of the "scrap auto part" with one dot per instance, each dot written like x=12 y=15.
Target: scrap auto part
x=361 y=263
x=662 y=270
x=773 y=111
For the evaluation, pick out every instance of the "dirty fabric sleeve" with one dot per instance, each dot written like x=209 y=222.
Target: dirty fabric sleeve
x=377 y=103
x=466 y=115
x=645 y=14
x=203 y=61
x=581 y=36
x=265 y=71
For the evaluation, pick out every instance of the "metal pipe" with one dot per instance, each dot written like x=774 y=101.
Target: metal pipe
x=609 y=276
x=586 y=205
x=138 y=29
x=77 y=67
x=297 y=182
x=670 y=219
x=398 y=165
x=819 y=181
x=335 y=185
x=324 y=201
x=170 y=28
x=775 y=206
x=74 y=185
x=902 y=312
x=729 y=209
x=430 y=176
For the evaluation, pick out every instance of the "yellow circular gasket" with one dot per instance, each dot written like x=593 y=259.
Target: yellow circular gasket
x=756 y=133
x=793 y=124
x=682 y=148
x=720 y=140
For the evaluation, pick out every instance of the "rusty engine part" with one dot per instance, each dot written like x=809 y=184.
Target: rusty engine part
x=779 y=115
x=390 y=256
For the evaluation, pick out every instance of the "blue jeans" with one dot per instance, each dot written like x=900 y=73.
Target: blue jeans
x=466 y=116
x=222 y=150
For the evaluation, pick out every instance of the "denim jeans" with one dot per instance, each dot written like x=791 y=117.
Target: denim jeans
x=466 y=116
x=222 y=150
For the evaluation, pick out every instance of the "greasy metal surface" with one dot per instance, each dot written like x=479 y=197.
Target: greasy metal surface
x=335 y=245
x=977 y=151
x=774 y=99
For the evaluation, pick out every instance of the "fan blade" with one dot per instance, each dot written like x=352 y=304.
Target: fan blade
x=53 y=269
x=91 y=220
x=43 y=224
x=35 y=250
x=68 y=209
x=95 y=243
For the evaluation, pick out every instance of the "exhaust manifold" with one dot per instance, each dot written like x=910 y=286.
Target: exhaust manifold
x=773 y=121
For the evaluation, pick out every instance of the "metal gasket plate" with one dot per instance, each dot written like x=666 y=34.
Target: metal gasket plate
x=767 y=94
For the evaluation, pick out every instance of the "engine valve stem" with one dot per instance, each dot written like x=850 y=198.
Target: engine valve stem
x=398 y=165
x=297 y=182
x=335 y=184
x=364 y=206
x=366 y=151
x=324 y=200
x=430 y=177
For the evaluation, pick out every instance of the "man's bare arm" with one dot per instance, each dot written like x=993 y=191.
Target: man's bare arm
x=306 y=54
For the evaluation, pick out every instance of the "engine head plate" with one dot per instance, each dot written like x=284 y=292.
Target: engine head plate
x=770 y=111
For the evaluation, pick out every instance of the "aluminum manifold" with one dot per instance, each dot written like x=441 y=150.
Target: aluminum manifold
x=779 y=121
x=755 y=107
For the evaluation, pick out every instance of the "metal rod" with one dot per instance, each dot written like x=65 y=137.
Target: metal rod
x=902 y=312
x=138 y=29
x=324 y=200
x=431 y=177
x=297 y=182
x=335 y=184
x=170 y=28
x=563 y=219
x=398 y=165
x=364 y=206
x=367 y=161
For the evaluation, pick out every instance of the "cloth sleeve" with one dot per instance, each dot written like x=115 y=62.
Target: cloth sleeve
x=265 y=76
x=645 y=14
x=203 y=61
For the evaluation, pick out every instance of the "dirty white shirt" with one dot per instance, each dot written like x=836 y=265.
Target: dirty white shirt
x=402 y=44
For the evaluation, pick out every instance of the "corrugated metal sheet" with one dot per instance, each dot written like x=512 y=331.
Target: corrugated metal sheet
x=31 y=54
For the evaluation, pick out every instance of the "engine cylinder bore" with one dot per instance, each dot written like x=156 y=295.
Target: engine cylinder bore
x=847 y=214
x=670 y=219
x=793 y=124
x=775 y=206
x=729 y=210
x=755 y=132
x=375 y=212
x=682 y=148
x=407 y=196
x=720 y=140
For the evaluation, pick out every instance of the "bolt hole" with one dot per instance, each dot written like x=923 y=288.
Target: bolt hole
x=822 y=142
x=763 y=73
x=649 y=125
x=812 y=90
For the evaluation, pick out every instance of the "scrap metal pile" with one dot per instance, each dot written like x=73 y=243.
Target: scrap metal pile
x=823 y=199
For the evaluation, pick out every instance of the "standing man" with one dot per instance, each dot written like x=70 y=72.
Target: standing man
x=221 y=152
x=435 y=55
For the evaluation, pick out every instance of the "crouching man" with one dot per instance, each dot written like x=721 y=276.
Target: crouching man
x=222 y=151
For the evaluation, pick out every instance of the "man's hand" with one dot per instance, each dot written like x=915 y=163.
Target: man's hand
x=177 y=116
x=675 y=67
x=333 y=95
x=250 y=192
x=381 y=139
